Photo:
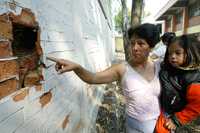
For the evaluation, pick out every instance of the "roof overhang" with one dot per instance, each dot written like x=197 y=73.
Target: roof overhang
x=170 y=8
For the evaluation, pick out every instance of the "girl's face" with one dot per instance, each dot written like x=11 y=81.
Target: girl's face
x=139 y=50
x=176 y=55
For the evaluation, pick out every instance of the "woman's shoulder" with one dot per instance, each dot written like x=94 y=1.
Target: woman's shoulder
x=121 y=68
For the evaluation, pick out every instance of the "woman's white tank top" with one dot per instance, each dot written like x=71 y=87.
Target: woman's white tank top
x=142 y=96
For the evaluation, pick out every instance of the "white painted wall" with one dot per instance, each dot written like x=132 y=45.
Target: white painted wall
x=71 y=29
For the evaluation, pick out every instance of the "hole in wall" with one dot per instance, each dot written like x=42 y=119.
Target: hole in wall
x=24 y=40
x=21 y=39
x=23 y=45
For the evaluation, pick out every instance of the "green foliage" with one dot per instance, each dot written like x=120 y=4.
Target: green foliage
x=118 y=19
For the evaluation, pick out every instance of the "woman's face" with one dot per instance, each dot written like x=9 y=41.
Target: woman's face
x=139 y=50
x=176 y=55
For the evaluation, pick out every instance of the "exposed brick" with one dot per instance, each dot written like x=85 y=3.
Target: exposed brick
x=7 y=87
x=21 y=95
x=5 y=49
x=6 y=27
x=22 y=73
x=25 y=18
x=45 y=98
x=8 y=68
x=32 y=78
x=65 y=122
x=29 y=61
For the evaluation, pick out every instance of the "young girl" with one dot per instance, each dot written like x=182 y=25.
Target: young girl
x=180 y=83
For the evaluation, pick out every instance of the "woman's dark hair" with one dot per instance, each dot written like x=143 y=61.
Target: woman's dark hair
x=167 y=37
x=148 y=32
x=191 y=47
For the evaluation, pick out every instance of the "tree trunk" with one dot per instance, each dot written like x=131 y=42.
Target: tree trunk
x=125 y=27
x=136 y=12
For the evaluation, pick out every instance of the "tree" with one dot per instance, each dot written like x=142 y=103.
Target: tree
x=122 y=20
x=125 y=28
x=118 y=19
x=136 y=12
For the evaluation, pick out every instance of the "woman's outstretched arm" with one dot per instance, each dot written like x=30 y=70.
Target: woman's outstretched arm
x=111 y=74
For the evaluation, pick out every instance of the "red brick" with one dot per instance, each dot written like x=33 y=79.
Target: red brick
x=65 y=122
x=5 y=49
x=45 y=98
x=22 y=73
x=6 y=27
x=32 y=78
x=20 y=96
x=29 y=61
x=8 y=68
x=25 y=18
x=8 y=87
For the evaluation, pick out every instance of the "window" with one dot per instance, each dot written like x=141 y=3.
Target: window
x=168 y=22
x=194 y=9
x=179 y=17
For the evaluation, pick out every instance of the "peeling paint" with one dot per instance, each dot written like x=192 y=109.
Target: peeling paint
x=26 y=18
x=12 y=6
x=45 y=99
x=21 y=96
x=65 y=122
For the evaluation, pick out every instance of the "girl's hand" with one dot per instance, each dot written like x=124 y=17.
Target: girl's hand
x=169 y=124
x=63 y=65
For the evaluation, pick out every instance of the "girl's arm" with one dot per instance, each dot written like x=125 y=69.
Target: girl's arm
x=111 y=74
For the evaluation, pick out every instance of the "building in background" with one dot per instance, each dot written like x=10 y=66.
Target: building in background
x=181 y=17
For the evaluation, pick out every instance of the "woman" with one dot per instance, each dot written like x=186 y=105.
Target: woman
x=138 y=77
x=180 y=80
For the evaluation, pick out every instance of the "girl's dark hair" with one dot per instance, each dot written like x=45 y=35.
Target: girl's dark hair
x=191 y=47
x=149 y=32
